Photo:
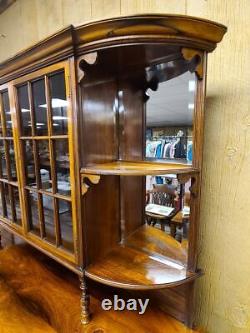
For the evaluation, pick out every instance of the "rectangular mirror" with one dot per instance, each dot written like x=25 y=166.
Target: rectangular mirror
x=169 y=113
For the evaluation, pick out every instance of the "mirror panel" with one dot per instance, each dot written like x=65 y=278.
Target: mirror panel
x=168 y=207
x=169 y=113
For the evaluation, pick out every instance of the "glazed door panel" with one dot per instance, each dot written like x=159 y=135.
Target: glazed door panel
x=45 y=143
x=10 y=203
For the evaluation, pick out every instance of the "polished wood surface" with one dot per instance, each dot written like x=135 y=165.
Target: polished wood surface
x=71 y=41
x=125 y=168
x=106 y=135
x=28 y=305
x=148 y=259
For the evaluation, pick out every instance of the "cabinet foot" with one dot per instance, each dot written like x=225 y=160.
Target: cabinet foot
x=85 y=300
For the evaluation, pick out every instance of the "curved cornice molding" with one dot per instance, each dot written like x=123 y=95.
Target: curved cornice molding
x=186 y=31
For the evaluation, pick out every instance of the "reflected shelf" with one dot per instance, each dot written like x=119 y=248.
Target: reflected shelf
x=140 y=168
x=147 y=259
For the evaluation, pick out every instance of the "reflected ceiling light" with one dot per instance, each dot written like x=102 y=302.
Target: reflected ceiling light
x=191 y=106
x=37 y=124
x=191 y=85
x=9 y=122
x=56 y=103
x=25 y=110
x=56 y=124
x=59 y=118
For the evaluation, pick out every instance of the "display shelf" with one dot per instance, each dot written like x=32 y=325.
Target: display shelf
x=140 y=168
x=147 y=259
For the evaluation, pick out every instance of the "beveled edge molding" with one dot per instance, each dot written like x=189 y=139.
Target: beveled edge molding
x=189 y=54
x=187 y=31
x=91 y=179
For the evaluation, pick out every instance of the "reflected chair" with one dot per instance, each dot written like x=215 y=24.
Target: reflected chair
x=164 y=195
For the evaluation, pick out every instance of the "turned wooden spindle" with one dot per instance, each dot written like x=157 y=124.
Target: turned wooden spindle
x=85 y=313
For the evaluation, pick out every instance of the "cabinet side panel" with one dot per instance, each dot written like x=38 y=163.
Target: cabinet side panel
x=131 y=149
x=98 y=144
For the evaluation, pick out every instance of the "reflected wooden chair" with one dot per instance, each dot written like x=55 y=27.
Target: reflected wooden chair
x=164 y=195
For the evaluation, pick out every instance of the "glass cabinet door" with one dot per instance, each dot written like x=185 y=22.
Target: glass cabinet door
x=10 y=210
x=44 y=119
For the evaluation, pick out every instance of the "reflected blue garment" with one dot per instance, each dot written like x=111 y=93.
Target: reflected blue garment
x=158 y=151
x=190 y=152
x=159 y=180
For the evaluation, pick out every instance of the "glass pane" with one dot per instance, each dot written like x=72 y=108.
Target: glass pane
x=65 y=218
x=6 y=110
x=169 y=113
x=16 y=217
x=32 y=198
x=29 y=163
x=44 y=164
x=3 y=166
x=3 y=207
x=10 y=147
x=24 y=107
x=48 y=209
x=7 y=200
x=168 y=208
x=62 y=166
x=40 y=107
x=59 y=104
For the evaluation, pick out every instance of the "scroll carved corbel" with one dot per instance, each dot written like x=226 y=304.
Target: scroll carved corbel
x=189 y=54
x=194 y=188
x=87 y=180
x=184 y=178
x=83 y=63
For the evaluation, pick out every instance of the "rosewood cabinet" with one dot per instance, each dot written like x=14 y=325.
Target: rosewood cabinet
x=101 y=142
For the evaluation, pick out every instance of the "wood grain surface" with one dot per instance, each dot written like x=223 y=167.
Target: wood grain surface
x=37 y=295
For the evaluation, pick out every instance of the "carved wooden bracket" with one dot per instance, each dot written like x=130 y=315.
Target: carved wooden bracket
x=83 y=63
x=189 y=54
x=184 y=178
x=194 y=188
x=87 y=180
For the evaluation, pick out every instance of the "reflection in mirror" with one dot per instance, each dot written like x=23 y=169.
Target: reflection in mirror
x=169 y=112
x=168 y=206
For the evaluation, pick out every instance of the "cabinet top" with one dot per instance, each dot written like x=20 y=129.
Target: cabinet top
x=180 y=30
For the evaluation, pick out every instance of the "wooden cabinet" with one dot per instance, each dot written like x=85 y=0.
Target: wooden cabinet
x=98 y=122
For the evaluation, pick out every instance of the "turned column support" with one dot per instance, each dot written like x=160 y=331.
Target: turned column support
x=85 y=300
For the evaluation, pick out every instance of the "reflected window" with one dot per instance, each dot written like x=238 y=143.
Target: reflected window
x=169 y=114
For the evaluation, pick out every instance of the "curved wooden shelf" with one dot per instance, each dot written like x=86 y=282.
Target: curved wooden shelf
x=124 y=168
x=148 y=259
